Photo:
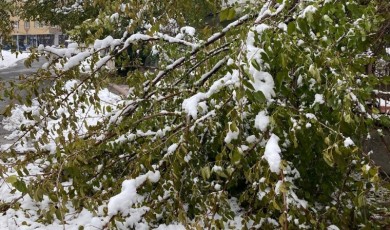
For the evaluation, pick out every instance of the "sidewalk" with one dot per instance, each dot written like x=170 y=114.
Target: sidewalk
x=122 y=90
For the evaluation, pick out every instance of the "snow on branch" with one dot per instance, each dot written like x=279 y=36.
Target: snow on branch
x=158 y=36
x=207 y=75
x=266 y=12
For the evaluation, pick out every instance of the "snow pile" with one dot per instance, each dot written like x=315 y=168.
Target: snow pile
x=263 y=82
x=272 y=154
x=8 y=59
x=27 y=217
x=171 y=227
x=319 y=98
x=124 y=200
x=262 y=121
x=348 y=142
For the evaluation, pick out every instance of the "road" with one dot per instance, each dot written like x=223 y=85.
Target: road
x=12 y=74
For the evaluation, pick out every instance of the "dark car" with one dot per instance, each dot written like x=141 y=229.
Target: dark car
x=6 y=47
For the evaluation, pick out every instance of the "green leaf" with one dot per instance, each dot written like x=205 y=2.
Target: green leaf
x=248 y=85
x=231 y=14
x=221 y=174
x=283 y=219
x=283 y=60
x=20 y=186
x=361 y=200
x=223 y=15
x=58 y=214
x=236 y=157
x=348 y=118
x=53 y=197
x=255 y=64
x=38 y=195
x=280 y=76
x=11 y=179
x=275 y=205
x=328 y=157
x=385 y=121
x=291 y=28
x=259 y=97
x=205 y=172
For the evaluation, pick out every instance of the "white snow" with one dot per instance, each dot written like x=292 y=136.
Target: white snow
x=262 y=121
x=308 y=10
x=171 y=227
x=265 y=11
x=272 y=154
x=108 y=42
x=264 y=82
x=76 y=60
x=310 y=116
x=86 y=118
x=300 y=42
x=188 y=30
x=217 y=168
x=348 y=142
x=231 y=135
x=319 y=98
x=261 y=28
x=172 y=149
x=8 y=59
x=277 y=187
x=123 y=201
x=190 y=105
x=333 y=227
x=251 y=139
x=282 y=26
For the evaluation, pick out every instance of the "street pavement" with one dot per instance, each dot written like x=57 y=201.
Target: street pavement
x=12 y=74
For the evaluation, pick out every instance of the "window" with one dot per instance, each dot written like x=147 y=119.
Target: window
x=26 y=25
x=16 y=24
x=38 y=24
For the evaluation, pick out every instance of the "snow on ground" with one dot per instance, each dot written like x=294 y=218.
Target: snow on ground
x=27 y=216
x=86 y=114
x=9 y=59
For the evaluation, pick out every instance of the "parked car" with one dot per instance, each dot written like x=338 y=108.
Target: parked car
x=6 y=47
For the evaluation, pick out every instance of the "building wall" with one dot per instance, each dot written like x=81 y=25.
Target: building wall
x=33 y=33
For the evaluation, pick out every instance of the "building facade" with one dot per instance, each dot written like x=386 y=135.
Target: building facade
x=33 y=33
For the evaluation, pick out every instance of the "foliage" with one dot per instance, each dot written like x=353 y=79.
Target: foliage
x=258 y=125
x=5 y=24
x=65 y=14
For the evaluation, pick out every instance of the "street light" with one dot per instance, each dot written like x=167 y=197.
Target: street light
x=16 y=26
